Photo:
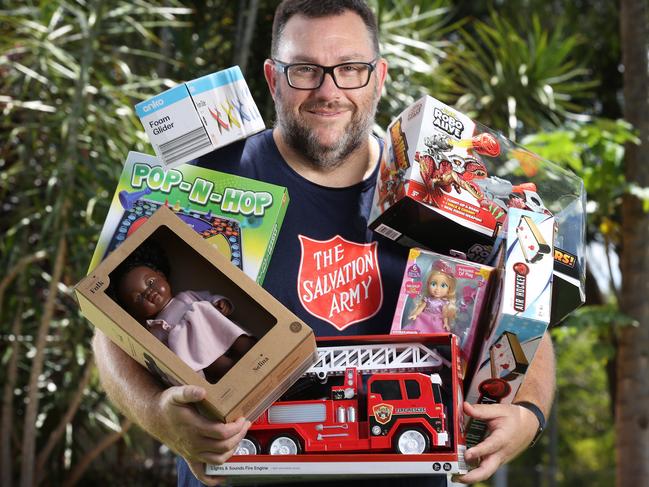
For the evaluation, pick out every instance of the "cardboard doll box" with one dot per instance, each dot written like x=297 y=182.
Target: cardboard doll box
x=443 y=294
x=520 y=313
x=198 y=116
x=371 y=406
x=443 y=174
x=240 y=216
x=285 y=346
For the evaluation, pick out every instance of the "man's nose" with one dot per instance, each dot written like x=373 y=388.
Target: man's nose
x=328 y=87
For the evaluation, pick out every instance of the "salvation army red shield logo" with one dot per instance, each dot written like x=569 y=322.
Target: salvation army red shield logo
x=339 y=281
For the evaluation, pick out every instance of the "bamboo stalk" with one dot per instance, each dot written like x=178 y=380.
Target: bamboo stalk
x=58 y=432
x=80 y=468
x=6 y=463
x=31 y=411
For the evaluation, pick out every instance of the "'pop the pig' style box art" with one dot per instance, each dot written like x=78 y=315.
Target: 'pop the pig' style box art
x=445 y=174
x=240 y=216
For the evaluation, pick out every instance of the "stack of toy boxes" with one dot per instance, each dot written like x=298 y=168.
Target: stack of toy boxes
x=446 y=183
x=218 y=231
x=260 y=376
x=453 y=186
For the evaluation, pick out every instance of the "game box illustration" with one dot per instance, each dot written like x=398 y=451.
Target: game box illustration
x=241 y=217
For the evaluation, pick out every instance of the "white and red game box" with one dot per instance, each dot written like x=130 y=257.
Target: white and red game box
x=520 y=311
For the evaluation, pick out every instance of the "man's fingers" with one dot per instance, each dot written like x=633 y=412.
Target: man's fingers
x=186 y=394
x=486 y=469
x=491 y=444
x=224 y=431
x=198 y=469
x=484 y=411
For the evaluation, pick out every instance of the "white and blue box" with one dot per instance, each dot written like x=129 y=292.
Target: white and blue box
x=198 y=116
x=521 y=308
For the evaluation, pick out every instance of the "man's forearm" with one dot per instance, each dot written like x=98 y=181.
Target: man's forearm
x=539 y=383
x=129 y=385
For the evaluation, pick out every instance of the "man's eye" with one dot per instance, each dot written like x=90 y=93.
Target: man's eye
x=150 y=282
x=306 y=69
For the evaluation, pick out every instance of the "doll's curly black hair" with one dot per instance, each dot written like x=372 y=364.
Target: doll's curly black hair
x=149 y=254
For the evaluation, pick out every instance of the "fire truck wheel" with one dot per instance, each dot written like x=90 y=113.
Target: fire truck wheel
x=284 y=445
x=248 y=446
x=412 y=441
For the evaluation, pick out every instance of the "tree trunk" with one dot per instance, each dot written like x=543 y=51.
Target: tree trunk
x=6 y=457
x=83 y=464
x=632 y=409
x=6 y=466
x=57 y=433
x=245 y=30
x=31 y=411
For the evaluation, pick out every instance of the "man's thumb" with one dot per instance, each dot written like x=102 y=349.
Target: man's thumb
x=187 y=394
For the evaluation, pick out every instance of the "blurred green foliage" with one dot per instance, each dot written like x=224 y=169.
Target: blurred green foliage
x=70 y=73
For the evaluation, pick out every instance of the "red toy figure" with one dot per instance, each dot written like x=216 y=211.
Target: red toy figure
x=193 y=324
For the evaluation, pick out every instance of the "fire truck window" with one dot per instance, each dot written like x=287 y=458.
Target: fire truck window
x=437 y=393
x=389 y=389
x=412 y=389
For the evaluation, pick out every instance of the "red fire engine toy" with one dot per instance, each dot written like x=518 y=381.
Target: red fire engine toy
x=382 y=405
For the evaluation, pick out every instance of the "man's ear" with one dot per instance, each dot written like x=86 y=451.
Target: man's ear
x=381 y=74
x=270 y=75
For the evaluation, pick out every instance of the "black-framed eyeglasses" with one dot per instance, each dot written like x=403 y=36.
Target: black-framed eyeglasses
x=346 y=76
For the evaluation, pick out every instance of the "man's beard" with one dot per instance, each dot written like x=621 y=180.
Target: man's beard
x=300 y=138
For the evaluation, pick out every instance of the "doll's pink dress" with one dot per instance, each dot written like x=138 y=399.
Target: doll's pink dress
x=194 y=329
x=430 y=320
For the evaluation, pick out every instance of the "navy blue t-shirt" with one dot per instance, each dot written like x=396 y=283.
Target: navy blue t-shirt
x=327 y=267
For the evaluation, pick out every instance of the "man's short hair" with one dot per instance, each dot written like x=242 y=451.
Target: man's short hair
x=322 y=8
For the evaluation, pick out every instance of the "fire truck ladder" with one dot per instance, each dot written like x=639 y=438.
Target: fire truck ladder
x=385 y=357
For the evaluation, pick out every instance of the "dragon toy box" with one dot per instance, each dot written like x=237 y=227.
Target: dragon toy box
x=240 y=216
x=443 y=174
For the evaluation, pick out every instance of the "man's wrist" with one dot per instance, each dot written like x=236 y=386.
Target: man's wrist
x=534 y=409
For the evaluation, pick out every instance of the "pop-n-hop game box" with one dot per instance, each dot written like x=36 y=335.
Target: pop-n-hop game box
x=239 y=216
x=519 y=313
x=199 y=116
x=441 y=294
x=283 y=347
x=370 y=406
x=446 y=175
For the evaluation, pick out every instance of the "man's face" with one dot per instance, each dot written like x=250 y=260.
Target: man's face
x=325 y=124
x=144 y=292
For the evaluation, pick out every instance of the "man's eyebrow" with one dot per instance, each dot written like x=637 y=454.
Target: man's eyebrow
x=342 y=59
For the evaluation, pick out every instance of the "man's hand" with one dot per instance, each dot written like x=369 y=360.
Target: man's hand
x=196 y=438
x=511 y=430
